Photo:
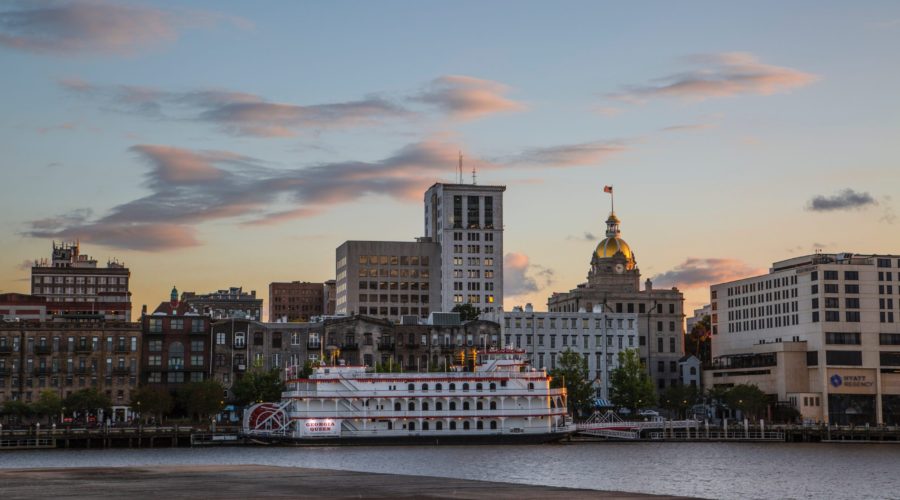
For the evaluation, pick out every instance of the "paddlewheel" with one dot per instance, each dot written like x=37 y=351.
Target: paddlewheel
x=267 y=419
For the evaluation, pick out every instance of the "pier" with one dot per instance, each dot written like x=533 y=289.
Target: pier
x=115 y=437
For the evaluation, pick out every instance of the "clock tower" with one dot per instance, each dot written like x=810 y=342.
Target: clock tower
x=613 y=266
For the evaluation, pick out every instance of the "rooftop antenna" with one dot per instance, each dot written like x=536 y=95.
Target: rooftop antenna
x=460 y=167
x=473 y=174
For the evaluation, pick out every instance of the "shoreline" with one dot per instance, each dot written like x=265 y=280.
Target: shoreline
x=253 y=481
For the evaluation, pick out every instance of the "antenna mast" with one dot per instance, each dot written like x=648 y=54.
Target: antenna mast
x=460 y=167
x=473 y=175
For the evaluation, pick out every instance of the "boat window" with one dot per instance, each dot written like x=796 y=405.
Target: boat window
x=530 y=386
x=439 y=426
x=412 y=426
x=411 y=406
x=425 y=406
x=493 y=405
x=452 y=426
x=411 y=387
x=452 y=387
x=466 y=386
x=439 y=406
x=478 y=386
x=479 y=405
x=466 y=425
x=479 y=425
x=493 y=386
x=452 y=405
x=424 y=426
x=493 y=424
x=438 y=387
x=397 y=406
x=465 y=405
x=424 y=387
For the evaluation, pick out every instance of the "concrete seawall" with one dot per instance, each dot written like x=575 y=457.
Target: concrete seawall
x=254 y=481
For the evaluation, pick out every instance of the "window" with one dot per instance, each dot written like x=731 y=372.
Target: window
x=154 y=346
x=846 y=358
x=851 y=275
x=220 y=338
x=852 y=316
x=832 y=316
x=197 y=326
x=196 y=360
x=176 y=324
x=197 y=345
x=842 y=338
x=155 y=325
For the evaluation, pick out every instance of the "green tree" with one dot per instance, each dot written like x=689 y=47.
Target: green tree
x=467 y=312
x=152 y=401
x=87 y=401
x=749 y=399
x=697 y=341
x=49 y=404
x=571 y=372
x=17 y=410
x=678 y=399
x=630 y=383
x=258 y=385
x=202 y=399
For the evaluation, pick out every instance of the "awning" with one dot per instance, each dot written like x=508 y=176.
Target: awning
x=603 y=403
x=230 y=408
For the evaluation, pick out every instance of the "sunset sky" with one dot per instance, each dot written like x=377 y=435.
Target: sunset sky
x=215 y=144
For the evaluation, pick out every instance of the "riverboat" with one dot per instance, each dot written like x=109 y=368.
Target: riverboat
x=497 y=399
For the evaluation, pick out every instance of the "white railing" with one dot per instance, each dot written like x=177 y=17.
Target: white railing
x=417 y=393
x=344 y=413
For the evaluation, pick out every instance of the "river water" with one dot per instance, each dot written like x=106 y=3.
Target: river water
x=711 y=470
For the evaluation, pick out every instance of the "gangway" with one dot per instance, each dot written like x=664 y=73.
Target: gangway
x=611 y=426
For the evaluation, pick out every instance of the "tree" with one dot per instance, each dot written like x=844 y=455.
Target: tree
x=202 y=399
x=697 y=341
x=87 y=401
x=17 y=410
x=572 y=372
x=467 y=312
x=747 y=398
x=631 y=386
x=389 y=367
x=678 y=399
x=258 y=385
x=49 y=404
x=152 y=401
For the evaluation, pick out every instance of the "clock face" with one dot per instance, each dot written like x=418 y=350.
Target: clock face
x=620 y=268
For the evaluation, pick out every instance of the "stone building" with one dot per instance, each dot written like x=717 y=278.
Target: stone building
x=22 y=307
x=176 y=345
x=241 y=345
x=222 y=304
x=73 y=284
x=614 y=282
x=69 y=355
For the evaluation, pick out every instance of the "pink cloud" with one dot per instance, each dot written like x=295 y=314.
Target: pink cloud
x=521 y=277
x=699 y=273
x=467 y=98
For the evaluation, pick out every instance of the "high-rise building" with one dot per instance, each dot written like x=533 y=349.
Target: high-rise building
x=233 y=302
x=296 y=300
x=74 y=285
x=819 y=333
x=387 y=279
x=466 y=221
x=613 y=281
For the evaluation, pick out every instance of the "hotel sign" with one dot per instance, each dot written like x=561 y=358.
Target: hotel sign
x=852 y=382
x=320 y=428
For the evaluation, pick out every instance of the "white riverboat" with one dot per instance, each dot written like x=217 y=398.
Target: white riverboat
x=498 y=401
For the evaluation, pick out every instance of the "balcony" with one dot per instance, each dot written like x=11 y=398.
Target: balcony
x=43 y=349
x=84 y=348
x=121 y=348
x=353 y=346
x=83 y=371
x=386 y=346
x=121 y=370
x=5 y=350
x=5 y=372
x=41 y=372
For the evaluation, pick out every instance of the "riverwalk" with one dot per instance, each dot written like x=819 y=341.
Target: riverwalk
x=256 y=481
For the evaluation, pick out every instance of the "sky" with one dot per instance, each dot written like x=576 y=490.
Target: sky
x=216 y=144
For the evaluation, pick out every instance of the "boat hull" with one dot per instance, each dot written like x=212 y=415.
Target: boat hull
x=430 y=440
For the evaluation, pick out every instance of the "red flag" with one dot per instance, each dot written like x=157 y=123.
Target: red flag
x=607 y=189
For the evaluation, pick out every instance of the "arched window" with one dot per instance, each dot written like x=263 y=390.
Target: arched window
x=465 y=405
x=452 y=425
x=478 y=386
x=411 y=387
x=412 y=426
x=693 y=370
x=411 y=406
x=452 y=387
x=493 y=424
x=493 y=405
x=452 y=405
x=466 y=386
x=466 y=425
x=479 y=425
x=439 y=406
x=438 y=387
x=424 y=387
x=530 y=386
x=397 y=406
x=479 y=405
x=439 y=426
x=425 y=406
x=424 y=426
x=493 y=386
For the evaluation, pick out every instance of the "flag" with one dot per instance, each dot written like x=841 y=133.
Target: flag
x=607 y=189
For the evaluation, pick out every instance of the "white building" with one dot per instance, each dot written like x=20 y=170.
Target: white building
x=818 y=332
x=466 y=220
x=598 y=336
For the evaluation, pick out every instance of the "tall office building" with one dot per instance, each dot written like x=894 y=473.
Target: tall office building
x=74 y=285
x=820 y=333
x=466 y=220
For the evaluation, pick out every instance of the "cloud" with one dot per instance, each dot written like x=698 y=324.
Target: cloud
x=467 y=98
x=847 y=199
x=568 y=155
x=719 y=75
x=587 y=236
x=687 y=127
x=520 y=277
x=93 y=26
x=698 y=273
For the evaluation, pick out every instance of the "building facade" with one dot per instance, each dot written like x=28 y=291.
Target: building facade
x=466 y=221
x=69 y=355
x=176 y=345
x=613 y=282
x=297 y=301
x=22 y=307
x=222 y=304
x=72 y=283
x=598 y=336
x=820 y=333
x=387 y=279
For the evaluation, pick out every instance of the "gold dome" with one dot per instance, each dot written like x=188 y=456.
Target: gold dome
x=610 y=246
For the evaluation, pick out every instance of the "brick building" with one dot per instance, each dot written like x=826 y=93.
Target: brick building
x=297 y=301
x=233 y=302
